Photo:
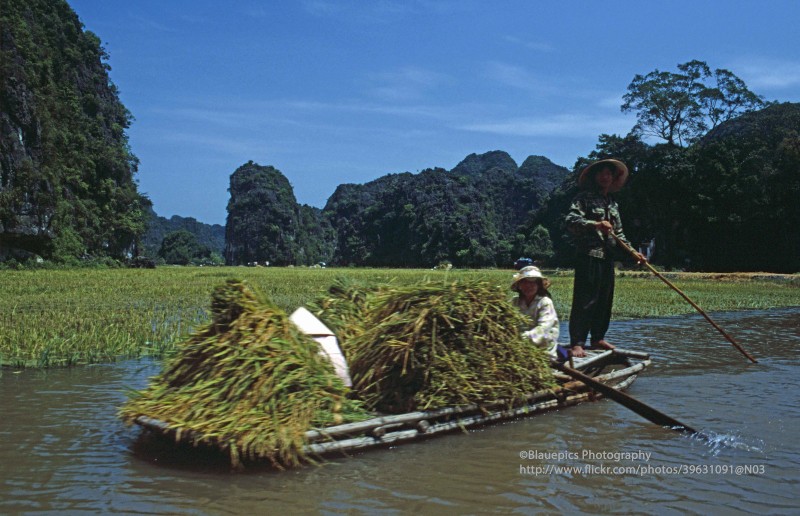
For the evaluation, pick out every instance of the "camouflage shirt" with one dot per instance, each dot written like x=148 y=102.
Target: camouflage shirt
x=586 y=210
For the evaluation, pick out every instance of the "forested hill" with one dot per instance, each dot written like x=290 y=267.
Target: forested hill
x=211 y=236
x=67 y=185
x=539 y=168
x=266 y=224
x=748 y=182
x=729 y=202
x=470 y=216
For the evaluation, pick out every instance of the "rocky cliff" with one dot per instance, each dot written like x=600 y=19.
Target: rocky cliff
x=66 y=171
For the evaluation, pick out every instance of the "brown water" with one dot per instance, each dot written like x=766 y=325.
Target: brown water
x=63 y=450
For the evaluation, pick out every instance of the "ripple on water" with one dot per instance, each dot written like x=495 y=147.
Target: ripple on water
x=70 y=452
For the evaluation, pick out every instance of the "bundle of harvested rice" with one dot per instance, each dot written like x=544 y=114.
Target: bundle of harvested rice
x=432 y=345
x=249 y=382
x=345 y=308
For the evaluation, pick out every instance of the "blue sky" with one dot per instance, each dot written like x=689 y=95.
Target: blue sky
x=333 y=92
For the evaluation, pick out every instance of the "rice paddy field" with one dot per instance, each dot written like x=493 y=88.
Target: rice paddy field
x=65 y=317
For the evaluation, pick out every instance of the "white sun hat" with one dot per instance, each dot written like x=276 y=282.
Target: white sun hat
x=529 y=272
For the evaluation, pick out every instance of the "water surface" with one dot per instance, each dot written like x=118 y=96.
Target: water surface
x=65 y=450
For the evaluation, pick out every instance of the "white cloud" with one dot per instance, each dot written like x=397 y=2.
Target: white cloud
x=323 y=7
x=374 y=11
x=510 y=75
x=200 y=143
x=258 y=12
x=531 y=45
x=209 y=116
x=563 y=125
x=767 y=73
x=238 y=114
x=613 y=102
x=383 y=11
x=520 y=78
x=147 y=23
x=407 y=83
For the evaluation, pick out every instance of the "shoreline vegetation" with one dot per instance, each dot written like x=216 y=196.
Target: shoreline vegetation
x=51 y=318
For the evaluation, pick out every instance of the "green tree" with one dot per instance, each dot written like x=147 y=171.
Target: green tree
x=209 y=235
x=727 y=98
x=538 y=244
x=182 y=248
x=680 y=107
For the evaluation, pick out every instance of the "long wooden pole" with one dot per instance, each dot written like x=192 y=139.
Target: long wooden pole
x=684 y=296
x=644 y=410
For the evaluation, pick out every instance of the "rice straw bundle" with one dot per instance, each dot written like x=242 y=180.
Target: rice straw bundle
x=432 y=345
x=344 y=309
x=249 y=383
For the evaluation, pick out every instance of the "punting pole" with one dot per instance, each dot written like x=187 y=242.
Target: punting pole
x=644 y=410
x=684 y=296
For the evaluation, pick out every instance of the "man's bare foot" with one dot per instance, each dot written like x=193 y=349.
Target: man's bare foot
x=578 y=352
x=603 y=344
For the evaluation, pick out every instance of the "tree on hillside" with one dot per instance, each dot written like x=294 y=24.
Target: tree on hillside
x=538 y=244
x=209 y=235
x=681 y=107
x=182 y=248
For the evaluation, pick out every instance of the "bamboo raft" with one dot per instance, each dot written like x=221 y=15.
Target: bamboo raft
x=617 y=368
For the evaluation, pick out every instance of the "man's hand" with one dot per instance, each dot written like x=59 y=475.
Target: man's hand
x=604 y=226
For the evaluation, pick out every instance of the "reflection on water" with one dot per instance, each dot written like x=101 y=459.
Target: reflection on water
x=64 y=450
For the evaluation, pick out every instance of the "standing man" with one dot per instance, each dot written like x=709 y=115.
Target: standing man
x=593 y=218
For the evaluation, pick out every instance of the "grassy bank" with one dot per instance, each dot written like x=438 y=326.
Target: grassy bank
x=64 y=317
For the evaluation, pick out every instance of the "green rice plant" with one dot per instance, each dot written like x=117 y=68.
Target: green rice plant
x=248 y=382
x=638 y=297
x=66 y=317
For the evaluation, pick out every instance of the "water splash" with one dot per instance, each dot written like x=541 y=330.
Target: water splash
x=718 y=442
